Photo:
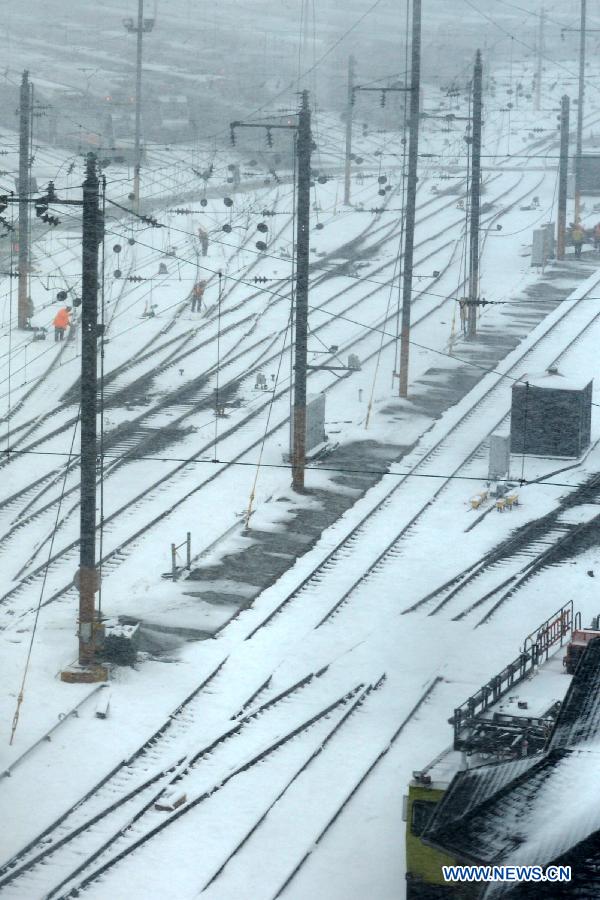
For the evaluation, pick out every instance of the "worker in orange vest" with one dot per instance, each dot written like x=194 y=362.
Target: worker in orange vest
x=197 y=295
x=61 y=322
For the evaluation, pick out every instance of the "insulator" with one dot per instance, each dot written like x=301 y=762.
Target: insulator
x=117 y=248
x=117 y=273
x=382 y=100
x=226 y=228
x=232 y=135
x=61 y=296
x=227 y=201
x=262 y=226
x=381 y=192
x=269 y=138
x=323 y=179
x=260 y=245
x=203 y=202
x=319 y=226
x=358 y=160
x=131 y=241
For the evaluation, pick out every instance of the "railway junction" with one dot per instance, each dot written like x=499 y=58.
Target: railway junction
x=294 y=655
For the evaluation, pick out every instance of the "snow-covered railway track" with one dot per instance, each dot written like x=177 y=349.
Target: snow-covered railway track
x=119 y=815
x=115 y=555
x=431 y=467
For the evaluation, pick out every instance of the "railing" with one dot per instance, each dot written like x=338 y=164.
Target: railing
x=554 y=629
x=534 y=651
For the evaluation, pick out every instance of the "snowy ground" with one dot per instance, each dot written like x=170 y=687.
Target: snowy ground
x=166 y=366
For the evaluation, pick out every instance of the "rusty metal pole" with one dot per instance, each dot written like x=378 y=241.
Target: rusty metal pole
x=563 y=169
x=411 y=195
x=304 y=149
x=24 y=190
x=88 y=575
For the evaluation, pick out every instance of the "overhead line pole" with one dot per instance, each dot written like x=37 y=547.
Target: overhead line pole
x=23 y=190
x=540 y=51
x=142 y=26
x=578 y=151
x=561 y=219
x=349 y=116
x=138 y=108
x=304 y=149
x=411 y=195
x=88 y=574
x=475 y=199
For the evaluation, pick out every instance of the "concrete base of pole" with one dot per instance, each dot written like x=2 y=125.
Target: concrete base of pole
x=76 y=674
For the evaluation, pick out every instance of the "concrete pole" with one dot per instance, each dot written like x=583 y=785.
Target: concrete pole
x=578 y=150
x=302 y=250
x=411 y=195
x=89 y=335
x=475 y=198
x=563 y=168
x=24 y=190
x=349 y=115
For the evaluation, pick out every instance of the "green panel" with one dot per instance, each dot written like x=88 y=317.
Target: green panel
x=422 y=861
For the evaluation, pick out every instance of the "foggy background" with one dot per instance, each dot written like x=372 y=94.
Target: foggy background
x=206 y=64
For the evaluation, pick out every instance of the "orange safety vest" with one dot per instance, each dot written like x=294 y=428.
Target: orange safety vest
x=199 y=289
x=61 y=319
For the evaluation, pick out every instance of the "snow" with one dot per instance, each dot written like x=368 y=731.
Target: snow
x=374 y=632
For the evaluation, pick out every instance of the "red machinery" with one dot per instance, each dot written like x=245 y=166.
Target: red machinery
x=576 y=646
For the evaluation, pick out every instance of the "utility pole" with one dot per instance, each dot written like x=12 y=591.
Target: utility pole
x=143 y=25
x=304 y=149
x=411 y=195
x=475 y=198
x=563 y=168
x=540 y=51
x=23 y=190
x=349 y=115
x=580 y=113
x=88 y=574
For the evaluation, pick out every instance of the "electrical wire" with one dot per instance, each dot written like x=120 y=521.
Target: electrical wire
x=267 y=423
x=21 y=694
